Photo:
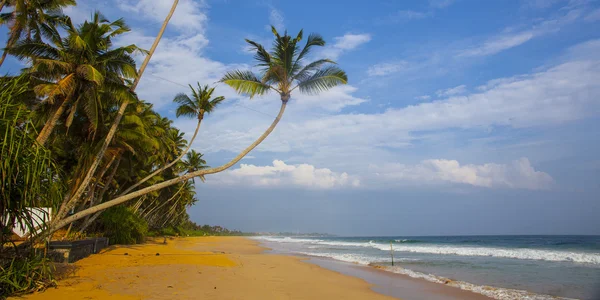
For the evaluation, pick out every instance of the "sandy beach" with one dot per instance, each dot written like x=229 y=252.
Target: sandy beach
x=220 y=268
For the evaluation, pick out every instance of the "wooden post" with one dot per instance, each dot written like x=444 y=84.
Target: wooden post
x=392 y=252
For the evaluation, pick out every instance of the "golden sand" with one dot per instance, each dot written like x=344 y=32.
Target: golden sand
x=203 y=268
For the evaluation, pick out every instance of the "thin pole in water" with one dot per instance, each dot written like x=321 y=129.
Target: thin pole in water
x=392 y=252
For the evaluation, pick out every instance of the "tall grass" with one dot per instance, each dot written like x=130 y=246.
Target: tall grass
x=27 y=169
x=26 y=274
x=27 y=175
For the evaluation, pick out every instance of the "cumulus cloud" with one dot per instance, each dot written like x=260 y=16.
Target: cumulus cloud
x=519 y=174
x=344 y=43
x=563 y=93
x=281 y=174
x=188 y=16
x=457 y=90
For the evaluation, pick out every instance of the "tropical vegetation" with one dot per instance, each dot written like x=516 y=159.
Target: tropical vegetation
x=77 y=139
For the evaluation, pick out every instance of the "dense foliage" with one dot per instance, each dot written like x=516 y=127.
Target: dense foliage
x=25 y=274
x=122 y=225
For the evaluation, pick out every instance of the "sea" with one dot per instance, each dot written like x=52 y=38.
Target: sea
x=500 y=267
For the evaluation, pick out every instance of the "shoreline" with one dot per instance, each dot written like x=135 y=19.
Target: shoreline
x=203 y=267
x=351 y=251
x=399 y=286
x=232 y=268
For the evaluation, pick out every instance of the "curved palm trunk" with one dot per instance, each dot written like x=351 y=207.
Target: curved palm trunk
x=4 y=54
x=168 y=165
x=11 y=39
x=158 y=186
x=164 y=203
x=86 y=181
x=50 y=124
x=90 y=219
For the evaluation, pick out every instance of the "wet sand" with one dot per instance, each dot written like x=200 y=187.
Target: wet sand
x=227 y=268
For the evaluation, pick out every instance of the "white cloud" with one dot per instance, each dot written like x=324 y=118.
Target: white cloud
x=563 y=93
x=423 y=97
x=457 y=90
x=499 y=43
x=383 y=69
x=519 y=174
x=440 y=3
x=511 y=39
x=344 y=43
x=314 y=132
x=276 y=19
x=176 y=60
x=281 y=174
x=188 y=16
x=350 y=41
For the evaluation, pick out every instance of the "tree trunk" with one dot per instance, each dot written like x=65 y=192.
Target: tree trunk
x=11 y=39
x=91 y=219
x=4 y=53
x=86 y=181
x=145 y=214
x=50 y=124
x=167 y=166
x=158 y=186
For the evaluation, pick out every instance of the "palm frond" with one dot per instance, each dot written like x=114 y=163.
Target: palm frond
x=245 y=82
x=310 y=68
x=186 y=111
x=212 y=104
x=90 y=73
x=262 y=55
x=323 y=80
x=313 y=40
x=27 y=49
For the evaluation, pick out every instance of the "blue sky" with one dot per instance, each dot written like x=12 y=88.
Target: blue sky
x=460 y=117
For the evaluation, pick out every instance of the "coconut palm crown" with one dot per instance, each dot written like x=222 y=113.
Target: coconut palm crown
x=199 y=104
x=283 y=70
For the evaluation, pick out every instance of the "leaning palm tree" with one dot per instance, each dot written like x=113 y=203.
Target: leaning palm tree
x=194 y=162
x=199 y=104
x=283 y=71
x=31 y=20
x=113 y=129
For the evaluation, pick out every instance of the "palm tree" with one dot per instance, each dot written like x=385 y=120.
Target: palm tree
x=282 y=70
x=199 y=104
x=78 y=68
x=31 y=19
x=194 y=162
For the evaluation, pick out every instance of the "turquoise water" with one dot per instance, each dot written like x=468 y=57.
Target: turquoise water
x=563 y=266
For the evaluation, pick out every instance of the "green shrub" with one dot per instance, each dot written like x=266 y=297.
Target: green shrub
x=123 y=226
x=25 y=274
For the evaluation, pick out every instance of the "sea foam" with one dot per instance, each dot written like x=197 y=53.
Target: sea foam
x=514 y=253
x=489 y=291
